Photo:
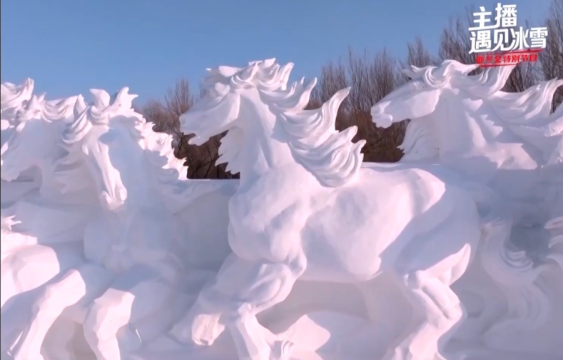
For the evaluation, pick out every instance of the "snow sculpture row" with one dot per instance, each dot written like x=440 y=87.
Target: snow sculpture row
x=108 y=252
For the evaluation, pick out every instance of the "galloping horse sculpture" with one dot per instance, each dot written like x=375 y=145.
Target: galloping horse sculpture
x=121 y=242
x=509 y=141
x=14 y=97
x=58 y=216
x=307 y=209
x=45 y=226
x=129 y=242
x=469 y=124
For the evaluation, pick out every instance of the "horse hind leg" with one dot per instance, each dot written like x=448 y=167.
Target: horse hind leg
x=437 y=309
x=436 y=306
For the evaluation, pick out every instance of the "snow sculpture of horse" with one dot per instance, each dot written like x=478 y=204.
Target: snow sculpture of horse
x=509 y=141
x=468 y=123
x=14 y=97
x=133 y=245
x=41 y=222
x=307 y=209
x=39 y=262
x=43 y=229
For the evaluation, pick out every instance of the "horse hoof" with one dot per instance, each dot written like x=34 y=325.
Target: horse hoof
x=181 y=334
x=282 y=350
x=202 y=330
x=27 y=357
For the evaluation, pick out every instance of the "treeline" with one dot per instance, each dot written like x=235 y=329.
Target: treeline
x=371 y=77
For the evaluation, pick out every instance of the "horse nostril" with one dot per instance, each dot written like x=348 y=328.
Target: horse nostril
x=382 y=120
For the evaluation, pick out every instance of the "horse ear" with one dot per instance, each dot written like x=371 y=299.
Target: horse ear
x=226 y=71
x=249 y=72
x=29 y=85
x=469 y=68
x=269 y=62
x=35 y=101
x=410 y=73
x=101 y=98
x=79 y=106
x=125 y=99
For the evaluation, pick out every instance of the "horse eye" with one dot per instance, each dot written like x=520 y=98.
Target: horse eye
x=419 y=85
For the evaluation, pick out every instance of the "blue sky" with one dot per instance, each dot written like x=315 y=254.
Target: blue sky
x=70 y=46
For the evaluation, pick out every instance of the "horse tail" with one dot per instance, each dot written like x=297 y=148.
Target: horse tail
x=513 y=270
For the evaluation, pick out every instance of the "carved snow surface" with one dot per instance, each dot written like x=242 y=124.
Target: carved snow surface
x=109 y=252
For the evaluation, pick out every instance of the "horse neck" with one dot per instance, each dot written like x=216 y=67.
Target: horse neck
x=49 y=189
x=138 y=180
x=466 y=127
x=264 y=149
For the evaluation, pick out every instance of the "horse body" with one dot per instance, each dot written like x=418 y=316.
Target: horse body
x=347 y=234
x=307 y=209
x=482 y=149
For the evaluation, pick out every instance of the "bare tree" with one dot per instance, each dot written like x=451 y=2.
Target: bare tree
x=370 y=78
x=418 y=55
x=333 y=78
x=551 y=58
x=455 y=42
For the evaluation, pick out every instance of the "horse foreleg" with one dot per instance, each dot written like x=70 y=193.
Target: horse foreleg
x=241 y=291
x=32 y=266
x=202 y=325
x=115 y=321
x=82 y=284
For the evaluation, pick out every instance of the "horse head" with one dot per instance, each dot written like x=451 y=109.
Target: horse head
x=14 y=97
x=453 y=112
x=265 y=116
x=227 y=91
x=96 y=142
x=38 y=126
x=419 y=97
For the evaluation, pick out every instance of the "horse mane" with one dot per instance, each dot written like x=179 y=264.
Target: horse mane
x=169 y=176
x=265 y=75
x=315 y=143
x=53 y=110
x=527 y=113
x=328 y=154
